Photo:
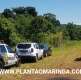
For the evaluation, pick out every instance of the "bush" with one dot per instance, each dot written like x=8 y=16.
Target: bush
x=52 y=39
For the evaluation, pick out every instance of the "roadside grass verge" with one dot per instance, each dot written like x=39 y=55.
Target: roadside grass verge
x=62 y=57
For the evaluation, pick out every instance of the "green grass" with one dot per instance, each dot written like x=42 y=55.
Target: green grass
x=62 y=57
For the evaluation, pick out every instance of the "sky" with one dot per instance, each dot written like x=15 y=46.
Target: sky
x=65 y=10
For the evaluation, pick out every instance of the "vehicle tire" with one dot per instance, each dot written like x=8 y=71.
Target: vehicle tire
x=18 y=63
x=1 y=65
x=36 y=58
x=45 y=55
x=42 y=57
x=49 y=54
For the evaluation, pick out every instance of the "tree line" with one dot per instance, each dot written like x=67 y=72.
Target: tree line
x=24 y=24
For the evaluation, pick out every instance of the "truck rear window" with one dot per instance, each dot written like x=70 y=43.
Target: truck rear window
x=24 y=46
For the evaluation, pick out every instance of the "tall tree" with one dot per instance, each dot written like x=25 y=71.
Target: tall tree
x=8 y=13
x=52 y=18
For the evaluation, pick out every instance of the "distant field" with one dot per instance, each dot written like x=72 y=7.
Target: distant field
x=63 y=57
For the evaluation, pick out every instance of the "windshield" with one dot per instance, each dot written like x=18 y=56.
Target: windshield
x=2 y=49
x=41 y=46
x=9 y=49
x=24 y=46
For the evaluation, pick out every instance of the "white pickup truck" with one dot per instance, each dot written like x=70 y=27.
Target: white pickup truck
x=31 y=50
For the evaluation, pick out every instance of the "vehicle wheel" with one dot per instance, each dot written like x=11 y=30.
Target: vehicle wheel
x=36 y=58
x=42 y=57
x=18 y=63
x=45 y=55
x=49 y=54
x=1 y=65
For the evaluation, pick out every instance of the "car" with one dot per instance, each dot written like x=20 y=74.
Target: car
x=46 y=49
x=29 y=50
x=7 y=56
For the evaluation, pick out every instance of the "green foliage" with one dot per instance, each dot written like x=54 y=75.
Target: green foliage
x=25 y=10
x=52 y=18
x=15 y=38
x=5 y=28
x=72 y=32
x=55 y=39
x=23 y=24
x=8 y=13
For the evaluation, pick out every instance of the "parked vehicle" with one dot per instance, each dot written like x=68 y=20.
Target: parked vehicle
x=7 y=56
x=46 y=50
x=29 y=50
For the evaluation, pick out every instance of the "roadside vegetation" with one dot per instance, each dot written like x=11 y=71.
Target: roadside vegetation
x=24 y=24
x=66 y=57
x=62 y=57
